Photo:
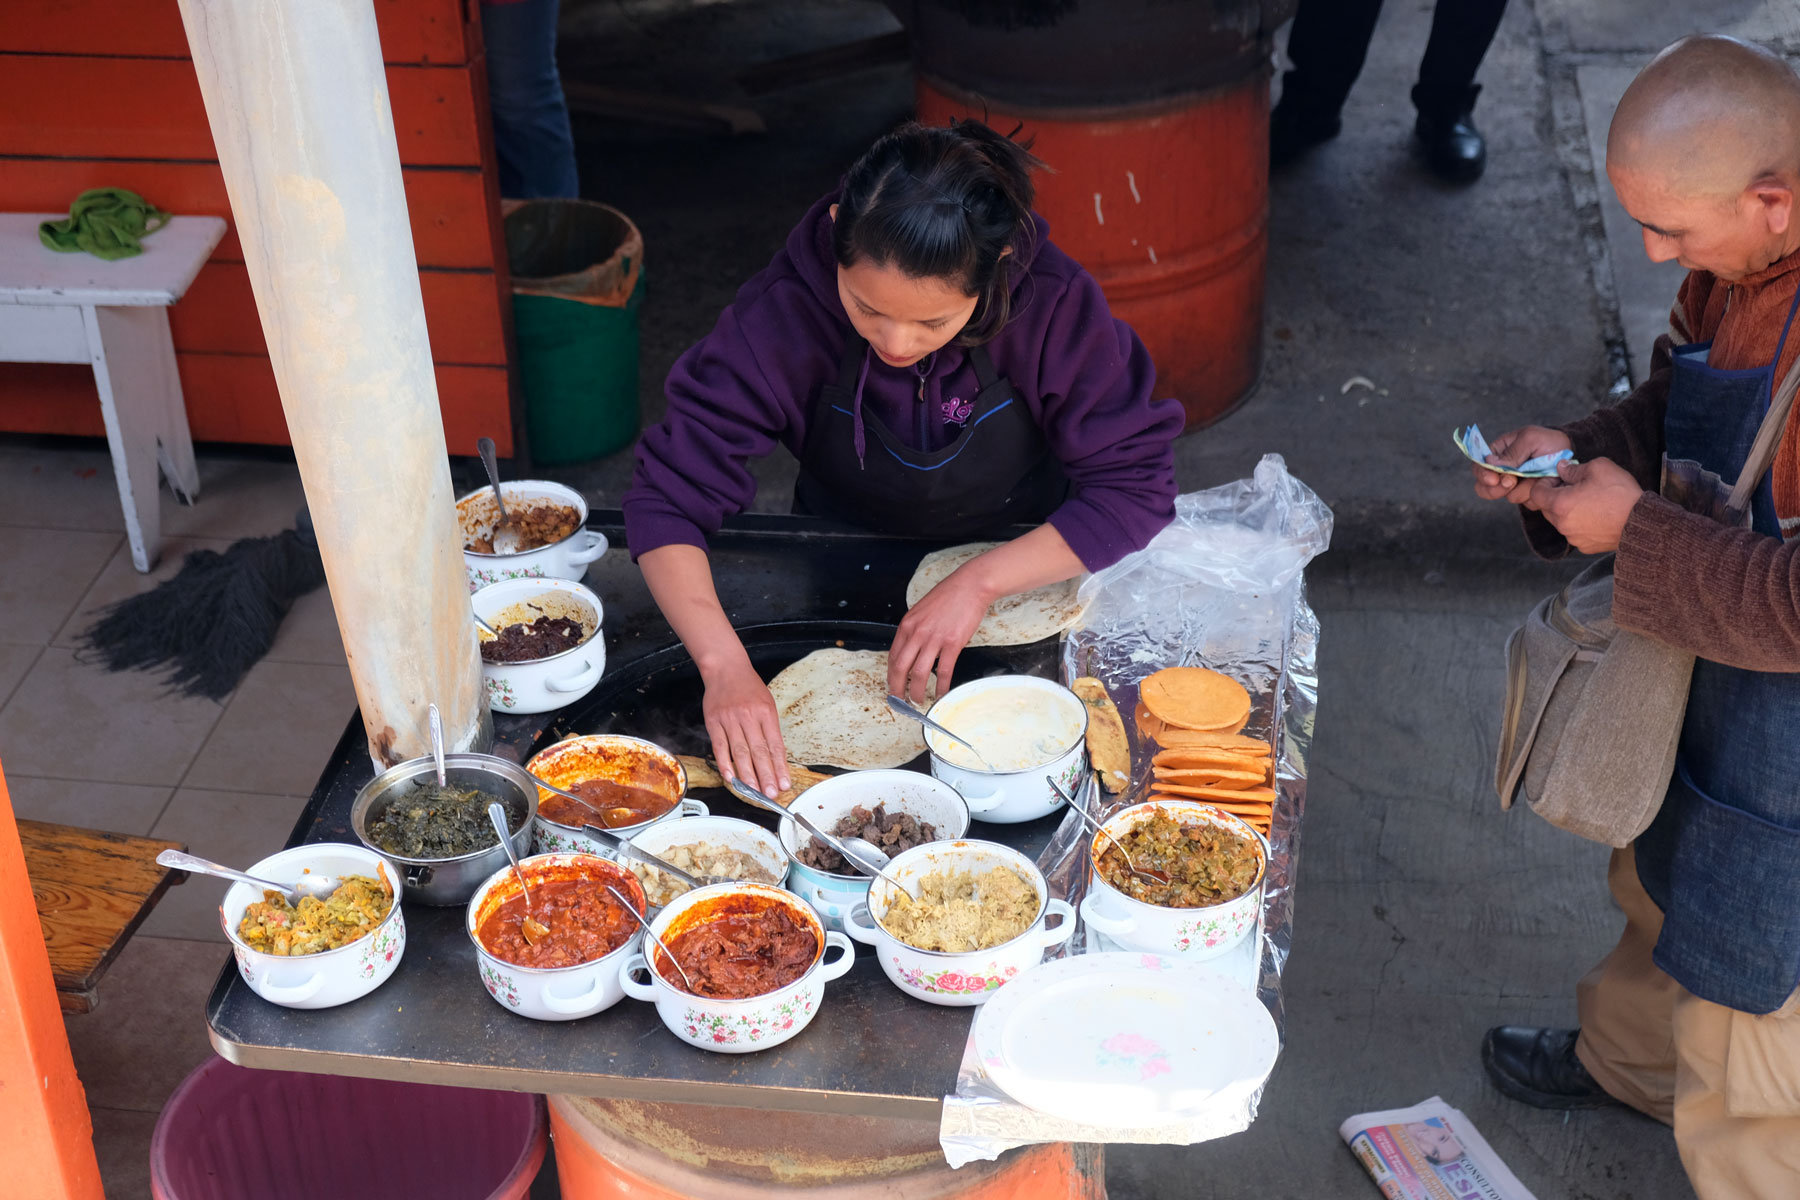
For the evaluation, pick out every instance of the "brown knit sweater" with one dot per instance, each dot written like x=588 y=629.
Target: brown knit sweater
x=1730 y=595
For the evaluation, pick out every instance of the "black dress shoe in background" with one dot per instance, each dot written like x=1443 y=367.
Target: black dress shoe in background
x=1454 y=149
x=1294 y=129
x=1538 y=1067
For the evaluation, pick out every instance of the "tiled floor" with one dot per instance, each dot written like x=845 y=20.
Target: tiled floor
x=84 y=747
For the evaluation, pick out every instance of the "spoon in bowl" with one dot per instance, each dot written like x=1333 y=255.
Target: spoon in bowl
x=624 y=846
x=906 y=710
x=858 y=852
x=505 y=538
x=437 y=741
x=316 y=886
x=651 y=934
x=534 y=930
x=1080 y=810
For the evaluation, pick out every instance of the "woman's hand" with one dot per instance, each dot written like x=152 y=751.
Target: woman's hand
x=1588 y=503
x=935 y=632
x=745 y=727
x=1511 y=449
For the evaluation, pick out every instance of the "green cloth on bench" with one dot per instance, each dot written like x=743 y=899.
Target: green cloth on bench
x=105 y=222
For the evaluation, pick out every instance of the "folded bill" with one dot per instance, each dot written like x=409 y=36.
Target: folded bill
x=1476 y=450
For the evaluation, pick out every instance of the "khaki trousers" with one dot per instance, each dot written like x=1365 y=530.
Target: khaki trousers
x=1728 y=1082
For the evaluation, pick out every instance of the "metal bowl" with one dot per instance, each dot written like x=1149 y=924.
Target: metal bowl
x=447 y=881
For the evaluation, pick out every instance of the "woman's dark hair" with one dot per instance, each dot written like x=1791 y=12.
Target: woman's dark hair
x=943 y=202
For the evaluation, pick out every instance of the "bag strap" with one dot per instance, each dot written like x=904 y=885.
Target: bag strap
x=1768 y=439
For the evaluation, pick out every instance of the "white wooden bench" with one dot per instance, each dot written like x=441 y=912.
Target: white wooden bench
x=75 y=308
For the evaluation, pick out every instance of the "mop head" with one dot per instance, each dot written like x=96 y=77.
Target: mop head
x=215 y=619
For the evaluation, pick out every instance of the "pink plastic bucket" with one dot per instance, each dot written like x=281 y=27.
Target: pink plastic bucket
x=229 y=1133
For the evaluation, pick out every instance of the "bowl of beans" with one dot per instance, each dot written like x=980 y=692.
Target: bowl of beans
x=549 y=650
x=1206 y=870
x=896 y=810
x=755 y=963
x=572 y=971
x=548 y=520
x=626 y=785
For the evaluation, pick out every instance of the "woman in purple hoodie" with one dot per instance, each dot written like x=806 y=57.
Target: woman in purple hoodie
x=941 y=370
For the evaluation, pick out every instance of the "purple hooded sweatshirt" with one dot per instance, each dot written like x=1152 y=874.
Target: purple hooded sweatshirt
x=1084 y=376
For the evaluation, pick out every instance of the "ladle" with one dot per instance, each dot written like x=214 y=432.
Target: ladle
x=651 y=934
x=858 y=852
x=624 y=846
x=316 y=886
x=906 y=710
x=1080 y=810
x=534 y=930
x=505 y=538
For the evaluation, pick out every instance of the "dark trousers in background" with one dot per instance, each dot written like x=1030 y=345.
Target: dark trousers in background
x=532 y=140
x=1330 y=40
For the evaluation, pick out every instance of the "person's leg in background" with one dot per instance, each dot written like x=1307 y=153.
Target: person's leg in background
x=1461 y=32
x=531 y=121
x=1327 y=45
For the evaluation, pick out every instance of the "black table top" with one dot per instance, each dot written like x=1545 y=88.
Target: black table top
x=870 y=1050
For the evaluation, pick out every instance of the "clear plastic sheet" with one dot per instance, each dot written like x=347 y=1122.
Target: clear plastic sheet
x=1221 y=587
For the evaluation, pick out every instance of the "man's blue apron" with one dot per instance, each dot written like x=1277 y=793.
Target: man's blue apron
x=1722 y=858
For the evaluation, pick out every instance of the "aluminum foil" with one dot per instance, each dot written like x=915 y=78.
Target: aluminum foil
x=1222 y=587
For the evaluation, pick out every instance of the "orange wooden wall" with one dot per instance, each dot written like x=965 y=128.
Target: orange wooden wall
x=101 y=93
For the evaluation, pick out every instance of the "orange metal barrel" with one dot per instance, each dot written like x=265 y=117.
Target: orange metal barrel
x=618 y=1149
x=1154 y=119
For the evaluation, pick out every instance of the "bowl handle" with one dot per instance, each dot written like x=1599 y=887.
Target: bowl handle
x=981 y=795
x=832 y=970
x=855 y=927
x=1110 y=926
x=297 y=994
x=693 y=808
x=1062 y=932
x=637 y=991
x=575 y=1005
x=586 y=678
x=592 y=551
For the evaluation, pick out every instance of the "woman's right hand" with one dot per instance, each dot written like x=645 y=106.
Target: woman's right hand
x=1511 y=449
x=745 y=727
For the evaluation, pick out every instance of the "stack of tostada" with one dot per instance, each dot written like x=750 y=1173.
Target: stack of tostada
x=1195 y=715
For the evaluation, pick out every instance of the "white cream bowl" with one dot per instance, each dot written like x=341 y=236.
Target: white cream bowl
x=542 y=685
x=755 y=1022
x=331 y=977
x=1195 y=934
x=950 y=978
x=925 y=798
x=476 y=515
x=1012 y=794
x=553 y=993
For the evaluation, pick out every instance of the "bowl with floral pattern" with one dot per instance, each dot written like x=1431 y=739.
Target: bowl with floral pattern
x=1197 y=933
x=736 y=1024
x=958 y=979
x=567 y=558
x=541 y=685
x=329 y=977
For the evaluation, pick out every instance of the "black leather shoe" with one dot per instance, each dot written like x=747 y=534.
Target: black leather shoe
x=1538 y=1067
x=1295 y=129
x=1454 y=149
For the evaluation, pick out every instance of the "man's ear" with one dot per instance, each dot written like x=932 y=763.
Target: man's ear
x=833 y=211
x=1776 y=199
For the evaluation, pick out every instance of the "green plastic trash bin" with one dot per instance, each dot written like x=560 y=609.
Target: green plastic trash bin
x=578 y=279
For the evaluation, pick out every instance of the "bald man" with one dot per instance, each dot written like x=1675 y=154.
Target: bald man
x=1692 y=1017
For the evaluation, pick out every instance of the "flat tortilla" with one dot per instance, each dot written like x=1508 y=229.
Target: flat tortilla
x=833 y=706
x=1013 y=620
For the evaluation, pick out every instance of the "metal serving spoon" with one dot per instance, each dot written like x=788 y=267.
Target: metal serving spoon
x=624 y=846
x=437 y=744
x=505 y=537
x=651 y=934
x=534 y=929
x=316 y=886
x=906 y=710
x=1080 y=810
x=858 y=852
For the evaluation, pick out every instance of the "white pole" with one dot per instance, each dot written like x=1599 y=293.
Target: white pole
x=298 y=103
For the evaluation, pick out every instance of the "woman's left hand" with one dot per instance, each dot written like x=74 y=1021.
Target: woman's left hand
x=934 y=633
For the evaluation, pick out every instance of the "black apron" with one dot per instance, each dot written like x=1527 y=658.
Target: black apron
x=1722 y=858
x=998 y=472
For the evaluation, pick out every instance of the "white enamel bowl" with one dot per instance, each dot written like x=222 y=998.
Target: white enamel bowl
x=957 y=979
x=1195 y=934
x=541 y=685
x=331 y=977
x=476 y=515
x=554 y=993
x=614 y=757
x=753 y=1023
x=746 y=837
x=930 y=800
x=1011 y=796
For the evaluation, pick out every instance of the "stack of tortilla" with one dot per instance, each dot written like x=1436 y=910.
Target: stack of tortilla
x=1013 y=620
x=1195 y=714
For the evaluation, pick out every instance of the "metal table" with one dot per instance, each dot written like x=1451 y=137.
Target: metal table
x=870 y=1051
